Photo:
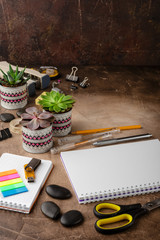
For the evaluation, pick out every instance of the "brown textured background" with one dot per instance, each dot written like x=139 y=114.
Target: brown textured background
x=60 y=32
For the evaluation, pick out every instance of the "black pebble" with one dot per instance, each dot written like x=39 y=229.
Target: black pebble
x=58 y=192
x=50 y=209
x=20 y=111
x=71 y=218
x=6 y=117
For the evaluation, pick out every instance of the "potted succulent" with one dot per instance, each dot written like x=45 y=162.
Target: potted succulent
x=61 y=106
x=37 y=130
x=13 y=88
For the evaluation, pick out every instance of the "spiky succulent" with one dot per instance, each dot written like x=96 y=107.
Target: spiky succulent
x=12 y=78
x=56 y=102
x=36 y=119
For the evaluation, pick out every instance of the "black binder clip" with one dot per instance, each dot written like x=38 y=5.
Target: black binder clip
x=72 y=76
x=73 y=87
x=5 y=134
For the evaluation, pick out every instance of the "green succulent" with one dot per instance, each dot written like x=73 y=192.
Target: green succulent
x=12 y=78
x=56 y=102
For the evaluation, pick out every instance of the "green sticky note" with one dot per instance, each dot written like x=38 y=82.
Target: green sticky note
x=12 y=186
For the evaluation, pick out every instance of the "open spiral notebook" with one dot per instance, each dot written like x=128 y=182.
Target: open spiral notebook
x=115 y=171
x=23 y=202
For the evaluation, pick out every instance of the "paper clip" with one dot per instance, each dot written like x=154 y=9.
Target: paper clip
x=72 y=77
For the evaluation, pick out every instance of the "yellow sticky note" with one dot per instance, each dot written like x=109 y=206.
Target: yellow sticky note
x=9 y=182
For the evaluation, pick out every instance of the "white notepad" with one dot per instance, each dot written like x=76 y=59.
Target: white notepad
x=23 y=202
x=115 y=171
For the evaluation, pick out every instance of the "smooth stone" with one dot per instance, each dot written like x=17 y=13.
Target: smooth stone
x=50 y=209
x=20 y=111
x=6 y=117
x=71 y=218
x=58 y=192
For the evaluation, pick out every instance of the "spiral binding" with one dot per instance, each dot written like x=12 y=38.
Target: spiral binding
x=119 y=193
x=13 y=206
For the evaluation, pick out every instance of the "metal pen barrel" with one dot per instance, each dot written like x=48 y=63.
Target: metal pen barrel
x=119 y=140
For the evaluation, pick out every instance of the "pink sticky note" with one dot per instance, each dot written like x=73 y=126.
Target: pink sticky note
x=9 y=177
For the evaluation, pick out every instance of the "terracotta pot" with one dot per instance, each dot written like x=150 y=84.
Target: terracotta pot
x=37 y=141
x=13 y=97
x=62 y=124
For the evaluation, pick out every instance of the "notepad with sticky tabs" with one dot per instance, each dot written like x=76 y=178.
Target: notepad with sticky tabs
x=16 y=194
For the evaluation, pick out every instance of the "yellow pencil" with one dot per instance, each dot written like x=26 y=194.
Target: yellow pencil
x=106 y=129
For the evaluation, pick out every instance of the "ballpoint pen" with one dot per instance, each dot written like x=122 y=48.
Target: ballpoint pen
x=70 y=146
x=119 y=140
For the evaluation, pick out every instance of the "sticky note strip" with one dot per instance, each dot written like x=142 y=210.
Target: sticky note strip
x=14 y=191
x=8 y=172
x=9 y=177
x=12 y=186
x=9 y=182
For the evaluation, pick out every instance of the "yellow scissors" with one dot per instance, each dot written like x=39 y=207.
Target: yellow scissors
x=119 y=215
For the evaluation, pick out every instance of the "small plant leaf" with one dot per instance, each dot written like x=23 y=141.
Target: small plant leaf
x=51 y=109
x=32 y=110
x=68 y=97
x=11 y=79
x=45 y=115
x=11 y=71
x=33 y=124
x=4 y=75
x=44 y=123
x=62 y=105
x=56 y=108
x=26 y=116
x=45 y=103
x=24 y=123
x=20 y=74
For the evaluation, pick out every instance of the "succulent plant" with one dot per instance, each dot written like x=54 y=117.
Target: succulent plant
x=56 y=102
x=12 y=78
x=35 y=119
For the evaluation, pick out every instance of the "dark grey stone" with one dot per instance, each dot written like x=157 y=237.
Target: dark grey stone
x=71 y=218
x=6 y=117
x=59 y=192
x=50 y=209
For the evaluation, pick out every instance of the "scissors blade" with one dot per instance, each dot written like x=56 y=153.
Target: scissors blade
x=152 y=205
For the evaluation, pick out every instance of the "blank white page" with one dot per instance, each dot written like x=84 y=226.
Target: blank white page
x=112 y=169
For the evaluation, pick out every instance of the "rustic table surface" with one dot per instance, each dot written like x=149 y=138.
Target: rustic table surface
x=117 y=96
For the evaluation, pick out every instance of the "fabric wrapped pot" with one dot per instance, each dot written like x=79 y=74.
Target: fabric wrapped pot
x=37 y=141
x=13 y=97
x=62 y=124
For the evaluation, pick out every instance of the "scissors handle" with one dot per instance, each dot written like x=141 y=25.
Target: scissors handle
x=101 y=225
x=116 y=209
